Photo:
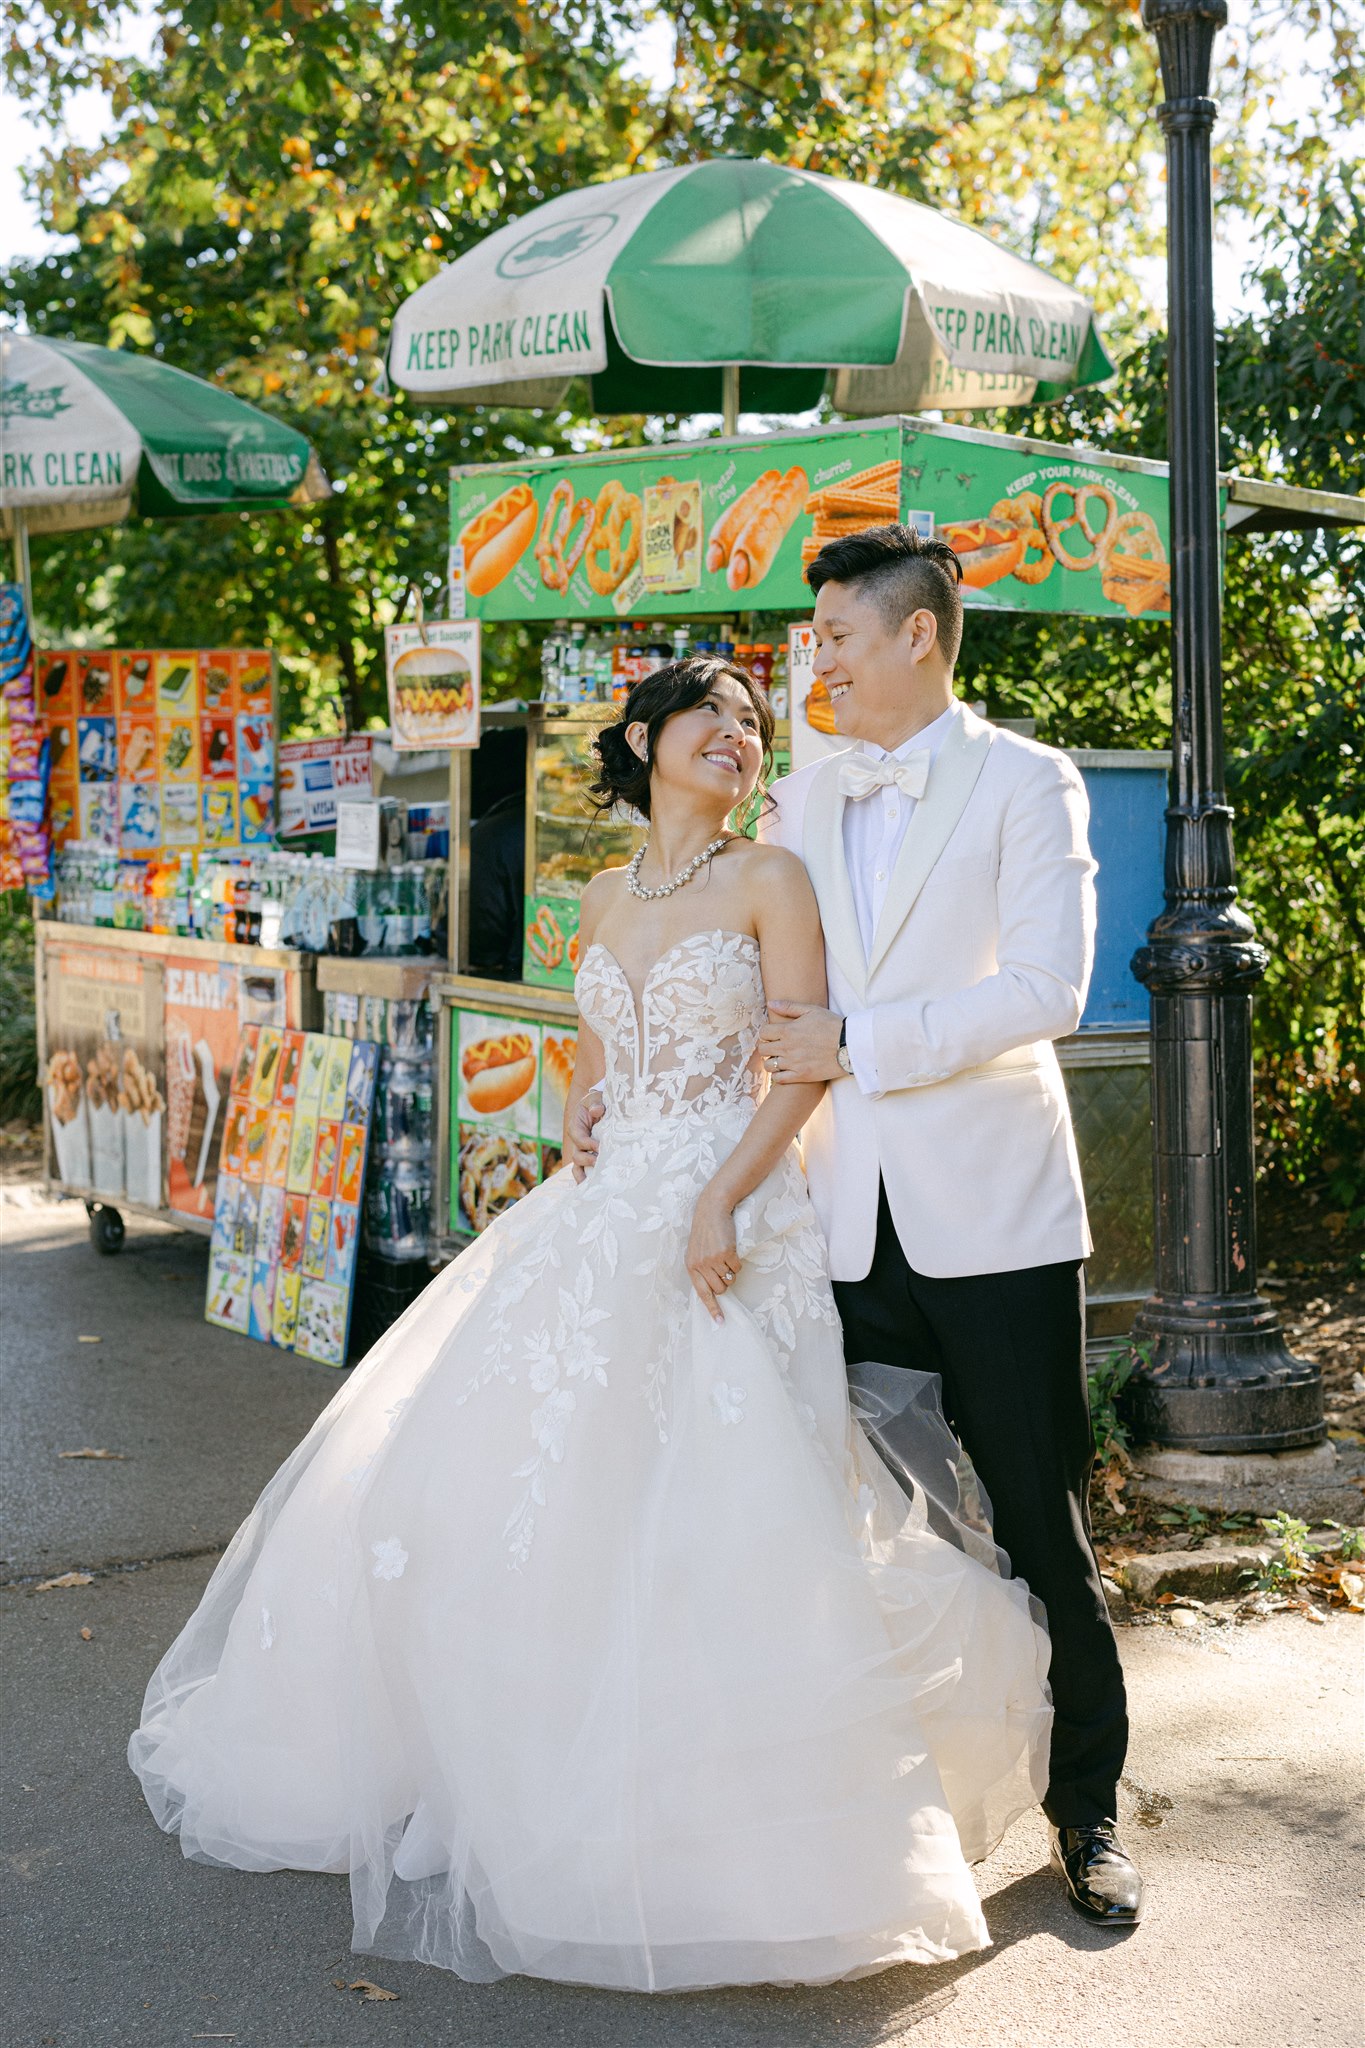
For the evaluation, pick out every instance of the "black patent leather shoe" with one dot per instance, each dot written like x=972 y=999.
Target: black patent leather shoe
x=1100 y=1880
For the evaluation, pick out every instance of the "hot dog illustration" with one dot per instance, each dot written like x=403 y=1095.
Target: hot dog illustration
x=497 y=538
x=497 y=1071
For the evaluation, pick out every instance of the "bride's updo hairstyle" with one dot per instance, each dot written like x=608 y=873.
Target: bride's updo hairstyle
x=622 y=777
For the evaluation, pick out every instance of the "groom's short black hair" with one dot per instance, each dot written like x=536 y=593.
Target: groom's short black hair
x=901 y=573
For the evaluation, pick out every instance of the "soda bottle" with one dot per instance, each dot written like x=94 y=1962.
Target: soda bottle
x=551 y=661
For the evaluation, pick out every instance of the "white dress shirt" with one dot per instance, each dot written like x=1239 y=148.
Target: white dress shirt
x=874 y=832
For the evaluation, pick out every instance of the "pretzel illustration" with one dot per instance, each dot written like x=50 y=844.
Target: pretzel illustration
x=545 y=940
x=1054 y=528
x=563 y=535
x=1026 y=512
x=616 y=534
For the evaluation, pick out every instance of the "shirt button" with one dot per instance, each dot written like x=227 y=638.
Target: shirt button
x=881 y=874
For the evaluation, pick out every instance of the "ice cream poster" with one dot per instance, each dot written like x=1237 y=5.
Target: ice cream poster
x=201 y=1045
x=104 y=1083
x=290 y=1180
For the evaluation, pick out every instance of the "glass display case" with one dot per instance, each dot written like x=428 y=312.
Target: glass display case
x=567 y=842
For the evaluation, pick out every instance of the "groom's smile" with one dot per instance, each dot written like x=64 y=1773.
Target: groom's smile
x=887 y=677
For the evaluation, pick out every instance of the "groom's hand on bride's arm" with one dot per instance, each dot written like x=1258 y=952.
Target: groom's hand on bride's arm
x=800 y=1043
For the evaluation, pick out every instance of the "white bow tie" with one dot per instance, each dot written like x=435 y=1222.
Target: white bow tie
x=860 y=776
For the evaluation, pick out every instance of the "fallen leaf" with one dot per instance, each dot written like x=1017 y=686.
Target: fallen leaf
x=1352 y=1585
x=66 y=1579
x=121 y=1455
x=1311 y=1614
x=90 y=1340
x=87 y=1635
x=371 y=1991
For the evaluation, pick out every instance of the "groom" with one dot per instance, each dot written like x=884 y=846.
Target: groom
x=955 y=886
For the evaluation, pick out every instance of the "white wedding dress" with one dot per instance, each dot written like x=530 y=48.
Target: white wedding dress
x=593 y=1639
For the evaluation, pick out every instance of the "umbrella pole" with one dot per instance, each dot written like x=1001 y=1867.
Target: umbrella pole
x=23 y=574
x=729 y=386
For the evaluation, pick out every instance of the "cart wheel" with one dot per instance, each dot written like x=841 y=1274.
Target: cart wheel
x=106 y=1229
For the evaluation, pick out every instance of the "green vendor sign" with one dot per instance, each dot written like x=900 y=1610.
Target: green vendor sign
x=725 y=526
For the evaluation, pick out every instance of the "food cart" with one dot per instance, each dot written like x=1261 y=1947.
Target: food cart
x=718 y=534
x=723 y=532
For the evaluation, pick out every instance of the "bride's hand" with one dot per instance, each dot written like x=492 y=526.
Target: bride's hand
x=712 y=1259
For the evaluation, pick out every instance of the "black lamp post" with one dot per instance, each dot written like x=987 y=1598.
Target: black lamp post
x=1221 y=1376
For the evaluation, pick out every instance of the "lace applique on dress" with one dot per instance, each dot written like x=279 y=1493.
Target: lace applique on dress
x=682 y=1082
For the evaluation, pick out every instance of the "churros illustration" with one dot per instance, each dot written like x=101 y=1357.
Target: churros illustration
x=851 y=504
x=1134 y=571
x=819 y=710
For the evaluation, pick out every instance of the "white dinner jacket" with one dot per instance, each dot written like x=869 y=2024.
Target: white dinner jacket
x=981 y=958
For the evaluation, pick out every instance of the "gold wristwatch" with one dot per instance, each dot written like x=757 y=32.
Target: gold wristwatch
x=844 y=1056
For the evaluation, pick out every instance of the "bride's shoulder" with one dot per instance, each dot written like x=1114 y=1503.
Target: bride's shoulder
x=607 y=886
x=767 y=869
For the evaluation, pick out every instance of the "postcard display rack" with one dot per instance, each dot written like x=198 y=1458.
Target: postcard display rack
x=724 y=530
x=291 y=1177
x=386 y=1002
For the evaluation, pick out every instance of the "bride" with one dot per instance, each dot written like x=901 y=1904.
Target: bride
x=586 y=1629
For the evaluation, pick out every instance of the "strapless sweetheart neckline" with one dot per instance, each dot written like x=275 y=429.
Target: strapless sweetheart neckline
x=678 y=946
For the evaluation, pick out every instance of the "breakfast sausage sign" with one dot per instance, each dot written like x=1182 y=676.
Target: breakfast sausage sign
x=434 y=676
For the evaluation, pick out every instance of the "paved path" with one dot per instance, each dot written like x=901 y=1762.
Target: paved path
x=1252 y=1735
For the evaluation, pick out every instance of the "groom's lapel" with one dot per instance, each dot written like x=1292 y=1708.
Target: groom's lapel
x=822 y=849
x=951 y=781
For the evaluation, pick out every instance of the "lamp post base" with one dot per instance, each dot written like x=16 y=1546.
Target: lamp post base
x=1222 y=1379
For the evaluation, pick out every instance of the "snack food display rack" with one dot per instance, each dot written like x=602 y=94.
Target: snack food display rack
x=137 y=1034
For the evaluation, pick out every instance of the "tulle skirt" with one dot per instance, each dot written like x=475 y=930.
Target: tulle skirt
x=596 y=1641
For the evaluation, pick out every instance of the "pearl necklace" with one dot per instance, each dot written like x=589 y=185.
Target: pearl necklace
x=683 y=876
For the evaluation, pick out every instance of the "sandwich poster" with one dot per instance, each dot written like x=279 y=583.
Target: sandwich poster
x=291 y=1178
x=434 y=681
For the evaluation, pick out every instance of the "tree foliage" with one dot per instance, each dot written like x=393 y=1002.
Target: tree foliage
x=279 y=177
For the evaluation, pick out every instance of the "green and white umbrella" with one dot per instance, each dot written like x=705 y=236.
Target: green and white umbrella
x=654 y=286
x=86 y=433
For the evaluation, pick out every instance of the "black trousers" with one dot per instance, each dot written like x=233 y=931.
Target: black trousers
x=1010 y=1350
